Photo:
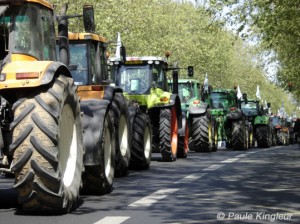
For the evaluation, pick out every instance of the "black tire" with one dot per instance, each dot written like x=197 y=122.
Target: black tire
x=202 y=133
x=239 y=135
x=98 y=179
x=47 y=148
x=119 y=112
x=168 y=134
x=141 y=142
x=263 y=136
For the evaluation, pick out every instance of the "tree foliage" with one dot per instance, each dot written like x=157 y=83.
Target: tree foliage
x=276 y=24
x=190 y=32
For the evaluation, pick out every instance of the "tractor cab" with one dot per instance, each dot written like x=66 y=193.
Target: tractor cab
x=27 y=32
x=138 y=75
x=87 y=58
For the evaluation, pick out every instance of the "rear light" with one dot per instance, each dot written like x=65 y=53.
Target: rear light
x=97 y=88
x=232 y=108
x=2 y=77
x=30 y=75
x=164 y=99
x=196 y=102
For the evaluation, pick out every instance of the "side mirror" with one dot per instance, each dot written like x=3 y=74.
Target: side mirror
x=123 y=53
x=190 y=71
x=88 y=18
x=245 y=98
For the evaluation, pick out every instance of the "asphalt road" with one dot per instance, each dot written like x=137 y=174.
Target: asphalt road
x=253 y=186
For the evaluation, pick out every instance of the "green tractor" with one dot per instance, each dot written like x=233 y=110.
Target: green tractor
x=260 y=121
x=281 y=130
x=233 y=127
x=145 y=85
x=202 y=129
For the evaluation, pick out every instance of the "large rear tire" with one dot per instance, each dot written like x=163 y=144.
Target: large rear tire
x=98 y=179
x=141 y=142
x=47 y=148
x=120 y=116
x=168 y=134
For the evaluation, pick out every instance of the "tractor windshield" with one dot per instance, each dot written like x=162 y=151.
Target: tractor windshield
x=185 y=91
x=27 y=29
x=276 y=121
x=220 y=100
x=135 y=79
x=250 y=109
x=78 y=57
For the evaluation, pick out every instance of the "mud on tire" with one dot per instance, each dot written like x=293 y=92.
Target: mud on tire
x=47 y=148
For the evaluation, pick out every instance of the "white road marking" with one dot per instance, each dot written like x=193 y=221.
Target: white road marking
x=230 y=160
x=190 y=178
x=153 y=198
x=213 y=167
x=113 y=220
x=241 y=156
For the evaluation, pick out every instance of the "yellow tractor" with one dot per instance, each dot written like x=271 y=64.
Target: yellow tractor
x=90 y=73
x=88 y=59
x=41 y=139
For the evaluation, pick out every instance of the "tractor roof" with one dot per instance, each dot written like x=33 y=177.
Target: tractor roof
x=86 y=36
x=18 y=2
x=150 y=59
x=187 y=80
x=223 y=91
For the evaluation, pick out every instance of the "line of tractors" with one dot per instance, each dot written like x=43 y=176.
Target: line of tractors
x=73 y=119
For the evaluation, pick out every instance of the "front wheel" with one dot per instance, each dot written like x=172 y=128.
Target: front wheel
x=141 y=142
x=168 y=134
x=202 y=133
x=47 y=147
x=119 y=112
x=98 y=178
x=239 y=138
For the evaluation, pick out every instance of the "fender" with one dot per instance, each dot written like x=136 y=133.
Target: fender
x=198 y=109
x=38 y=73
x=235 y=115
x=181 y=131
x=94 y=111
x=175 y=100
x=110 y=92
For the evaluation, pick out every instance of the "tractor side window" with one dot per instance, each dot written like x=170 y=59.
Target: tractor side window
x=93 y=64
x=159 y=78
x=78 y=57
x=4 y=32
x=48 y=37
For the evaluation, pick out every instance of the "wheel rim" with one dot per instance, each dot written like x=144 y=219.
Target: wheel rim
x=123 y=135
x=67 y=145
x=147 y=142
x=174 y=131
x=107 y=151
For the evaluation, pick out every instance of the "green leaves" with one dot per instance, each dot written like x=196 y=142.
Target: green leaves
x=197 y=36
